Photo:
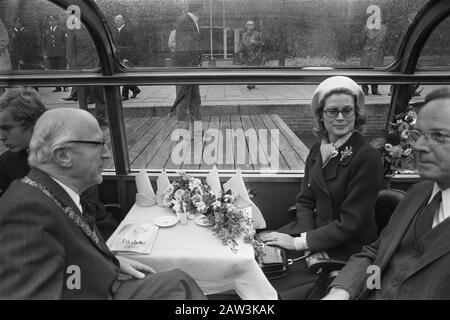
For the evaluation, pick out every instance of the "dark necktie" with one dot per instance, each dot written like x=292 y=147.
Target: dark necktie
x=89 y=211
x=424 y=221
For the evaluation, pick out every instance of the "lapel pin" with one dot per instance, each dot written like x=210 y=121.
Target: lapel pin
x=347 y=152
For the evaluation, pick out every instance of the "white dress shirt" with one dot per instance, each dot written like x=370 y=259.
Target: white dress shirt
x=444 y=209
x=72 y=194
x=120 y=28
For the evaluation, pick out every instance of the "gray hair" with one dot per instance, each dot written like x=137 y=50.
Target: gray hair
x=48 y=134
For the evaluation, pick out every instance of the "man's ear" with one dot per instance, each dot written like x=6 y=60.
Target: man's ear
x=62 y=156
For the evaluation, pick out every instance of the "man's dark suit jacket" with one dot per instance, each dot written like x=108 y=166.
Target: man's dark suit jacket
x=38 y=244
x=80 y=49
x=125 y=43
x=54 y=42
x=187 y=43
x=46 y=254
x=14 y=165
x=25 y=47
x=336 y=204
x=428 y=279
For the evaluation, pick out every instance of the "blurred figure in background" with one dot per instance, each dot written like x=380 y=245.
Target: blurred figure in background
x=25 y=51
x=5 y=60
x=81 y=54
x=187 y=54
x=251 y=47
x=54 y=46
x=126 y=48
x=373 y=40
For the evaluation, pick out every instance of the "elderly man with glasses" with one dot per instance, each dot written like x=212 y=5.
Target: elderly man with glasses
x=20 y=108
x=50 y=247
x=411 y=258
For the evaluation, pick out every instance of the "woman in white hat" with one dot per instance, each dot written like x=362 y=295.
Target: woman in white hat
x=343 y=174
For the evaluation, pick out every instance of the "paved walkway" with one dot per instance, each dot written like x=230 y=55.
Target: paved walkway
x=223 y=95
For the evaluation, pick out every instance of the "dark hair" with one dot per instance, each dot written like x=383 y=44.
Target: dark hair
x=195 y=5
x=440 y=93
x=360 y=117
x=25 y=104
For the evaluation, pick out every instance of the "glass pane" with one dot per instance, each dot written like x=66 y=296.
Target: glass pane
x=38 y=35
x=265 y=128
x=395 y=146
x=294 y=33
x=435 y=52
x=90 y=98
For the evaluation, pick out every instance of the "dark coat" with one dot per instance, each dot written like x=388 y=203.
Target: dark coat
x=125 y=43
x=251 y=47
x=54 y=42
x=14 y=165
x=25 y=47
x=373 y=49
x=428 y=279
x=81 y=52
x=38 y=244
x=336 y=204
x=187 y=43
x=41 y=246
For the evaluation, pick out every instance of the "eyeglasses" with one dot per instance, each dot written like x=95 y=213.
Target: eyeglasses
x=432 y=137
x=102 y=142
x=334 y=112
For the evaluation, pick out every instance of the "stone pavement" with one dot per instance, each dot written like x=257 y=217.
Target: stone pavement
x=222 y=96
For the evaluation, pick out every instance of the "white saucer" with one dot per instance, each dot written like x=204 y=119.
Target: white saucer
x=202 y=221
x=166 y=221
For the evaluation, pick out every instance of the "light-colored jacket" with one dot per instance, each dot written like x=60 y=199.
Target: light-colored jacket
x=5 y=61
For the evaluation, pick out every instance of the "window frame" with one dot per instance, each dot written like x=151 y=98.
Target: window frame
x=112 y=74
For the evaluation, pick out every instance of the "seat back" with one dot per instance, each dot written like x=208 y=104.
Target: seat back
x=387 y=201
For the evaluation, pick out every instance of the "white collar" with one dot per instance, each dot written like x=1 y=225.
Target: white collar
x=121 y=27
x=444 y=210
x=194 y=17
x=72 y=194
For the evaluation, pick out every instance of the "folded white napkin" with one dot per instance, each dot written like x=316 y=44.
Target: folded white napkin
x=212 y=179
x=237 y=186
x=145 y=196
x=161 y=184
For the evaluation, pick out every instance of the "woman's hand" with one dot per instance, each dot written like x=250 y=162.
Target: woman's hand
x=279 y=239
x=134 y=268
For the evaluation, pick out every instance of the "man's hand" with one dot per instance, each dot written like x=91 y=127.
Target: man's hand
x=337 y=294
x=133 y=267
x=279 y=239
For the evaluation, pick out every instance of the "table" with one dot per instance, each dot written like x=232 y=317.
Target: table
x=195 y=250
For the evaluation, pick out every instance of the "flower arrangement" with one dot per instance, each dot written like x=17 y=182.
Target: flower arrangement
x=189 y=195
x=397 y=151
x=227 y=221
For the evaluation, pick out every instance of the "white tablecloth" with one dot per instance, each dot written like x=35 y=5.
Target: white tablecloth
x=195 y=250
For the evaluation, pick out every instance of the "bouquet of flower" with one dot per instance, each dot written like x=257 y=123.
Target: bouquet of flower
x=229 y=222
x=188 y=194
x=397 y=151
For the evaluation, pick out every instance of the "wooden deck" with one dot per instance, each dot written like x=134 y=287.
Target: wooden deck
x=265 y=142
